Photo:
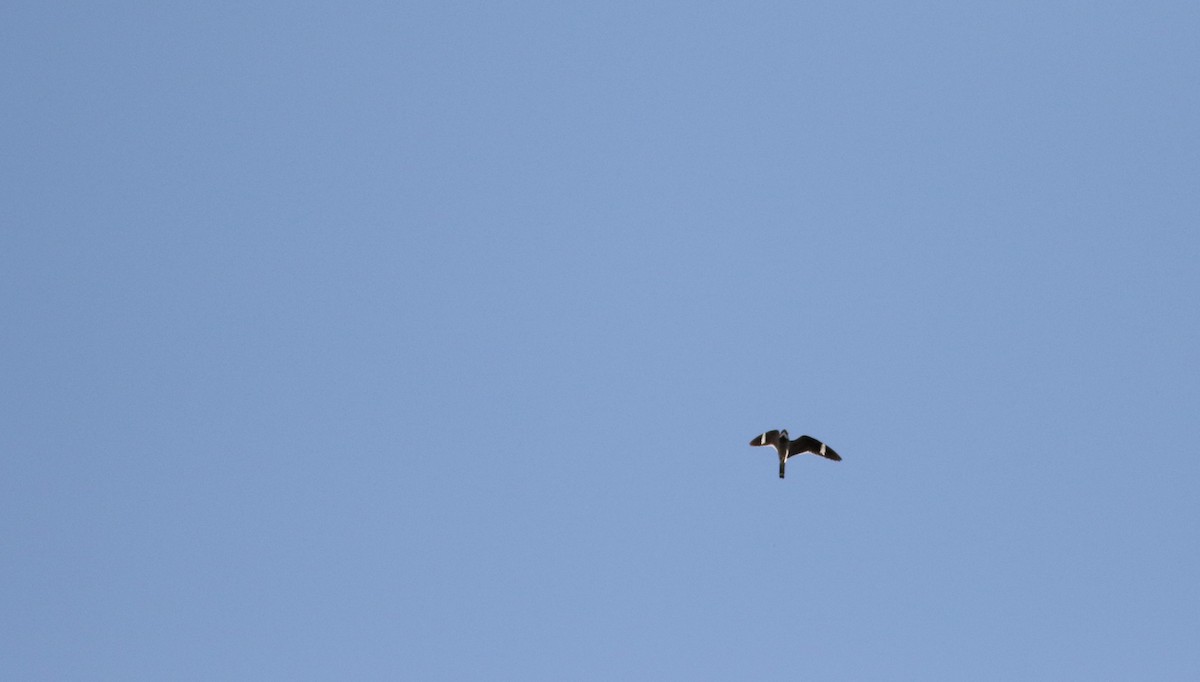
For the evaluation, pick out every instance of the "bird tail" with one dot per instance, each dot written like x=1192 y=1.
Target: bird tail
x=782 y=463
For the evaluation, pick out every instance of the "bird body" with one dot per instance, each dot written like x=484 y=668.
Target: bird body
x=789 y=448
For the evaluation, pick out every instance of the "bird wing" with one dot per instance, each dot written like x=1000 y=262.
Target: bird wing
x=769 y=438
x=809 y=444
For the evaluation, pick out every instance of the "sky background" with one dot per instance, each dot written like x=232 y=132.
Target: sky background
x=425 y=340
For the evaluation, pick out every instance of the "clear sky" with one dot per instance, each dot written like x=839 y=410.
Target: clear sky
x=425 y=340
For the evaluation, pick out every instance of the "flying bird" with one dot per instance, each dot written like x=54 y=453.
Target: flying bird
x=788 y=448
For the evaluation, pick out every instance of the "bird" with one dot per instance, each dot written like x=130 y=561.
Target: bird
x=788 y=448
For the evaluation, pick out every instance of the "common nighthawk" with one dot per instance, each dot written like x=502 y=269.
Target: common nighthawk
x=789 y=448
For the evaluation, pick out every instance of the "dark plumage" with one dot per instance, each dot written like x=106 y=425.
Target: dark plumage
x=789 y=448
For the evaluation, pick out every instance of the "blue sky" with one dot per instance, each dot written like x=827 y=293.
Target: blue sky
x=425 y=340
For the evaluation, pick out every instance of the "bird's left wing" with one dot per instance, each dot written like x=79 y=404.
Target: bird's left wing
x=809 y=444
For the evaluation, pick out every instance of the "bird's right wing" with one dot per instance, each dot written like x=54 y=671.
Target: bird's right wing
x=769 y=438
